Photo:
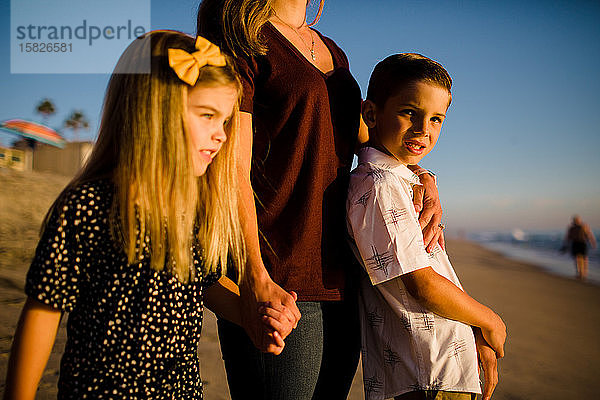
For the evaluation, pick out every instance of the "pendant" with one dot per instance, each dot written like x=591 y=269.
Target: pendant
x=312 y=55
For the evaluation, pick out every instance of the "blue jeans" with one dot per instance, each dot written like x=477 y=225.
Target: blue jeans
x=318 y=362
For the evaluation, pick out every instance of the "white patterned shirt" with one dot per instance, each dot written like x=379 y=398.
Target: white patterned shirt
x=404 y=346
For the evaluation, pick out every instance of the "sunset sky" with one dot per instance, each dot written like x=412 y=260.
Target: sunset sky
x=519 y=148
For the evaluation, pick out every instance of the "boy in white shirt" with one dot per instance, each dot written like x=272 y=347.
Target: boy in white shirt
x=421 y=332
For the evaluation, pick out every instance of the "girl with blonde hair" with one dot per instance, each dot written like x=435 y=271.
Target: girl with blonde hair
x=141 y=236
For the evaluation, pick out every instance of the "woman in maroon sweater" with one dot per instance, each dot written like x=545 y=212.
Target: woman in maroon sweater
x=300 y=125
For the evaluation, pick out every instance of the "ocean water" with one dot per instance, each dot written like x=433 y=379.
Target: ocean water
x=540 y=248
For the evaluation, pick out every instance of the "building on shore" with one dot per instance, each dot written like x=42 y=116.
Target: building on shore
x=45 y=158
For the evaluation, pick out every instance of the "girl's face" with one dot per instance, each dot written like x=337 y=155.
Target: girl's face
x=209 y=109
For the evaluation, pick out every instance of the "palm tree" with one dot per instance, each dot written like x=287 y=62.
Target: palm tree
x=46 y=108
x=76 y=121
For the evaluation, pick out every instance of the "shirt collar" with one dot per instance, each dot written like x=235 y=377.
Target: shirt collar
x=370 y=155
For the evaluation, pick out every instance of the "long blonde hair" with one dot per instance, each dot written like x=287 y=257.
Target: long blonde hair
x=235 y=24
x=143 y=148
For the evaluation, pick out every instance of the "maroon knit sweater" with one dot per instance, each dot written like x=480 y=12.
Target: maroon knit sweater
x=305 y=129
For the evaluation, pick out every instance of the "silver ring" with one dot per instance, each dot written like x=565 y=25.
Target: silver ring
x=441 y=226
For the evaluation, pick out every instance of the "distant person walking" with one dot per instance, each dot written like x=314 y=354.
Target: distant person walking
x=578 y=236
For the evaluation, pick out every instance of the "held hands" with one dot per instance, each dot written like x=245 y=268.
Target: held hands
x=490 y=347
x=495 y=336
x=488 y=363
x=278 y=317
x=279 y=322
x=427 y=204
x=269 y=314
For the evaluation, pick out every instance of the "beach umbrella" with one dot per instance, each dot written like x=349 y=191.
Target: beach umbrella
x=33 y=131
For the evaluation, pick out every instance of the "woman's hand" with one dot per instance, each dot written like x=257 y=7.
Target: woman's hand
x=256 y=297
x=279 y=318
x=427 y=204
x=280 y=321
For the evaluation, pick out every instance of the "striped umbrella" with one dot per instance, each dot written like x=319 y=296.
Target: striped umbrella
x=34 y=131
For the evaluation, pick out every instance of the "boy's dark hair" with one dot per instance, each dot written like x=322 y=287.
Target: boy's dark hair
x=400 y=69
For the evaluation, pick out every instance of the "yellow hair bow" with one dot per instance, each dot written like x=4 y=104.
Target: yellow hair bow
x=187 y=66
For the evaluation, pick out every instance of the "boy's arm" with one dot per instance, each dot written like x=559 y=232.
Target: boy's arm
x=441 y=296
x=31 y=349
x=389 y=242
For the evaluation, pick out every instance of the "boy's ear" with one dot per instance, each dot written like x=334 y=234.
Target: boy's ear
x=369 y=110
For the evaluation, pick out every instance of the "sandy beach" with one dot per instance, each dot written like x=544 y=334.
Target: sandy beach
x=553 y=347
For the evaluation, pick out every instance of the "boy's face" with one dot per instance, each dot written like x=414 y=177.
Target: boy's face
x=409 y=124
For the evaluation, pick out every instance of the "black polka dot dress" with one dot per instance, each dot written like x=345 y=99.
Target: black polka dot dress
x=132 y=332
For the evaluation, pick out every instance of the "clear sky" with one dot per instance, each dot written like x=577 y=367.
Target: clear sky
x=519 y=148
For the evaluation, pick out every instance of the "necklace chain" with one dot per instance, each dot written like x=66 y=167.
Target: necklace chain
x=310 y=48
